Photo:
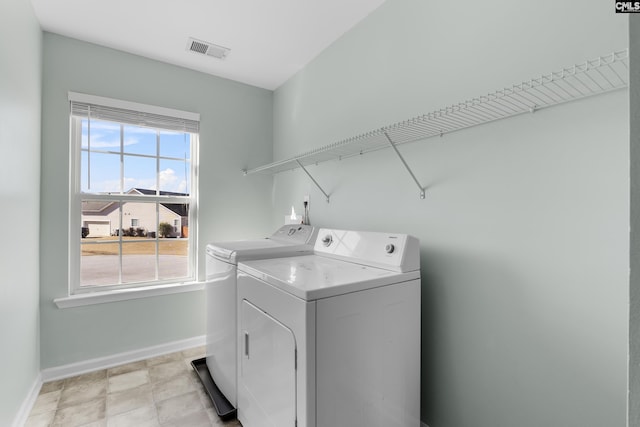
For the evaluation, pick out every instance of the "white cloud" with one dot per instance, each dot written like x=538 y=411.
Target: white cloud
x=167 y=178
x=169 y=181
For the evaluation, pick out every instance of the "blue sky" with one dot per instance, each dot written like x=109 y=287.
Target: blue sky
x=141 y=172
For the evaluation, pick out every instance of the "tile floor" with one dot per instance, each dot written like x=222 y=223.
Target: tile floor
x=160 y=392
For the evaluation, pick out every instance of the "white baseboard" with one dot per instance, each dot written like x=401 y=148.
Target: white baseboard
x=27 y=404
x=85 y=366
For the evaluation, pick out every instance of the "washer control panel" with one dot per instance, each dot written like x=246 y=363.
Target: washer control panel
x=296 y=233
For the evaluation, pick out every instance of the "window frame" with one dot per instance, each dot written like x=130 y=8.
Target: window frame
x=76 y=197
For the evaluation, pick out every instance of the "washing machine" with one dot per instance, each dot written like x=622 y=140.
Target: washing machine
x=218 y=370
x=332 y=338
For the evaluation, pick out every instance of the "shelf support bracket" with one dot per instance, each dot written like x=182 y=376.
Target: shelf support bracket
x=405 y=164
x=314 y=181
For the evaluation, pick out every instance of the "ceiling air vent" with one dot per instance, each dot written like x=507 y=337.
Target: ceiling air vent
x=206 y=48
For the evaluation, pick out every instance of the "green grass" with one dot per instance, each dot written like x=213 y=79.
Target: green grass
x=133 y=246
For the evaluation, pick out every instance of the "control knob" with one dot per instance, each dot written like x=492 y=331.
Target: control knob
x=326 y=240
x=389 y=248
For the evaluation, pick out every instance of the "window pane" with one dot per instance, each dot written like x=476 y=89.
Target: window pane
x=173 y=144
x=139 y=219
x=175 y=176
x=139 y=172
x=84 y=171
x=100 y=218
x=140 y=140
x=174 y=244
x=85 y=132
x=138 y=260
x=105 y=136
x=99 y=264
x=174 y=259
x=101 y=173
x=100 y=170
x=100 y=260
x=174 y=220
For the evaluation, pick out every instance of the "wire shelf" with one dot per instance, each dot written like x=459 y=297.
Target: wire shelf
x=593 y=77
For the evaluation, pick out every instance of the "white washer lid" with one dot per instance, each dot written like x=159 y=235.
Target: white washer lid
x=312 y=277
x=255 y=249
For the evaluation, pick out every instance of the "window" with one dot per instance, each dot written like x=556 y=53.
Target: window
x=133 y=173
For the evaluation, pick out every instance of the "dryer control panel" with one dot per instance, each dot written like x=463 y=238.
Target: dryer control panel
x=391 y=251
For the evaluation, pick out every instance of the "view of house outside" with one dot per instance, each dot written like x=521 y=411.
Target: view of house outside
x=134 y=241
x=101 y=218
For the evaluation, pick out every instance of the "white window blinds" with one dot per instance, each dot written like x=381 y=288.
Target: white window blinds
x=113 y=110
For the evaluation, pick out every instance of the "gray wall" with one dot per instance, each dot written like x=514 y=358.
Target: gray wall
x=20 y=89
x=236 y=129
x=524 y=230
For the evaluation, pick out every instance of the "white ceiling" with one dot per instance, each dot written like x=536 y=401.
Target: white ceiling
x=270 y=40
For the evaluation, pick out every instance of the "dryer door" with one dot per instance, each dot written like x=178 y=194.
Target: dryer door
x=267 y=381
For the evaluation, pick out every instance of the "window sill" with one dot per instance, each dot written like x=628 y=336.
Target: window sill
x=126 y=294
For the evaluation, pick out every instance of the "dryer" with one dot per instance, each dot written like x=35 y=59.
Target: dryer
x=332 y=339
x=220 y=289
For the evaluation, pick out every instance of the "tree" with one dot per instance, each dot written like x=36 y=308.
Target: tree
x=165 y=229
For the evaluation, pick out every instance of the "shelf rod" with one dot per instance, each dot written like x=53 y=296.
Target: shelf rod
x=314 y=181
x=405 y=164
